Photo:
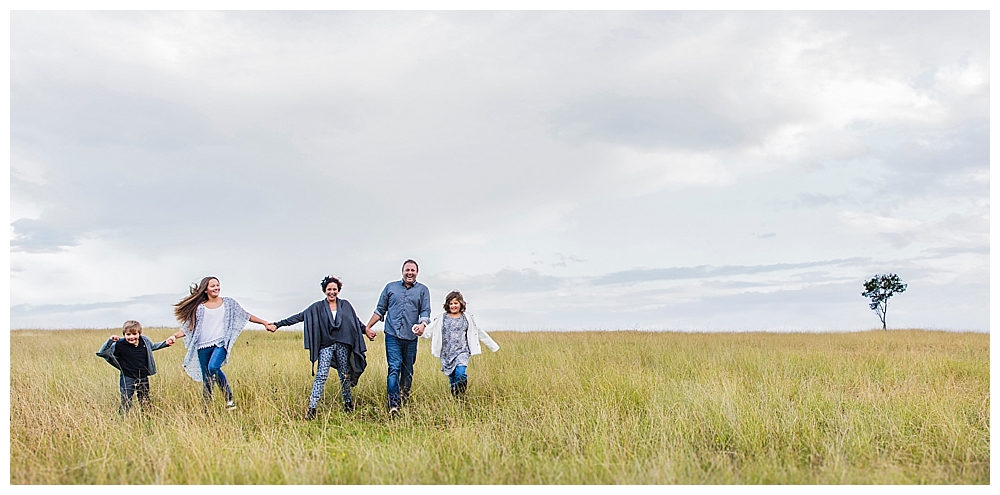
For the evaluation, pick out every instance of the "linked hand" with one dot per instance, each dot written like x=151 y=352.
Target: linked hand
x=370 y=333
x=271 y=327
x=170 y=341
x=418 y=329
x=114 y=338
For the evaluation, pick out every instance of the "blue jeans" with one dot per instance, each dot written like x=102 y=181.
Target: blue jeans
x=400 y=354
x=129 y=386
x=458 y=380
x=211 y=359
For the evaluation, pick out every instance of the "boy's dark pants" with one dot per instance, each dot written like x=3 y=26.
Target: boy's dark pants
x=130 y=386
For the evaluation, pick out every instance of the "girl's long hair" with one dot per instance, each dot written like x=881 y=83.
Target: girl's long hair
x=185 y=310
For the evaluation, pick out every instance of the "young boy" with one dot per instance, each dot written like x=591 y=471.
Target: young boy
x=134 y=358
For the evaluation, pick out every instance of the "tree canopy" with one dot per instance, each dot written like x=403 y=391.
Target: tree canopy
x=879 y=289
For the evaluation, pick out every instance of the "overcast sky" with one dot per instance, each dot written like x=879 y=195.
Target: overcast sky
x=565 y=170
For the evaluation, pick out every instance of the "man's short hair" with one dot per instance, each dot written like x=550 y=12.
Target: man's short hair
x=411 y=261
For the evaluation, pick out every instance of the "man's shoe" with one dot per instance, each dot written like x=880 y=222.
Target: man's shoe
x=394 y=410
x=311 y=413
x=404 y=398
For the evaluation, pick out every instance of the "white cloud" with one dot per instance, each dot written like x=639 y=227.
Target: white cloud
x=879 y=224
x=499 y=149
x=27 y=171
x=651 y=171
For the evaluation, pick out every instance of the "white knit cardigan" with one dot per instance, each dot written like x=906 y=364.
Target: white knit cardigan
x=474 y=334
x=233 y=320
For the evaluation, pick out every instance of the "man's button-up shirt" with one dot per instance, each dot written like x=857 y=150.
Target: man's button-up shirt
x=401 y=308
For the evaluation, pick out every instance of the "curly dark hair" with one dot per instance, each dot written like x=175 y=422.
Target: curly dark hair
x=454 y=295
x=330 y=279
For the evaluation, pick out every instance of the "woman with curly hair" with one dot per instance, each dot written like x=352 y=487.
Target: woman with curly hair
x=334 y=336
x=213 y=324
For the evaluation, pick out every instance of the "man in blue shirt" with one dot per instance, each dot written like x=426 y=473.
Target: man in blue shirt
x=405 y=306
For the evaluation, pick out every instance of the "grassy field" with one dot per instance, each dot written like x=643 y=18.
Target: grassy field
x=549 y=408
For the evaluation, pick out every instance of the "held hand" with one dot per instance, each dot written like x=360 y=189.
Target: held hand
x=271 y=327
x=418 y=329
x=114 y=338
x=170 y=341
x=370 y=333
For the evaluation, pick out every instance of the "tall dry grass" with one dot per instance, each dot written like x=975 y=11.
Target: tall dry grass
x=549 y=408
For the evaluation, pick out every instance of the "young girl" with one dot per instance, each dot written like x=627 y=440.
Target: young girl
x=214 y=323
x=334 y=336
x=454 y=338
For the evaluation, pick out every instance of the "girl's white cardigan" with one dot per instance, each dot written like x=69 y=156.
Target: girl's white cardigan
x=474 y=334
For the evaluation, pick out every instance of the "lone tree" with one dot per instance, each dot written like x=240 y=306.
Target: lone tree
x=879 y=289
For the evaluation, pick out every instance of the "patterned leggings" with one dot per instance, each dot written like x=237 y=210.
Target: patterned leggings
x=337 y=351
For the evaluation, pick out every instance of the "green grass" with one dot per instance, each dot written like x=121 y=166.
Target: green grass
x=549 y=408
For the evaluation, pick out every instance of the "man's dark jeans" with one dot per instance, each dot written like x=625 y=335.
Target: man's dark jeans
x=400 y=354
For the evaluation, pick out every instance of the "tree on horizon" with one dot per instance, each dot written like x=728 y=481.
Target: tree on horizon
x=879 y=289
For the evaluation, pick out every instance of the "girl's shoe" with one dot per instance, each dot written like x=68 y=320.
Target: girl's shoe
x=230 y=405
x=311 y=413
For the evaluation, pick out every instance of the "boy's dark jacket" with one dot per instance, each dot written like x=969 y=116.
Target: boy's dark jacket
x=346 y=325
x=107 y=352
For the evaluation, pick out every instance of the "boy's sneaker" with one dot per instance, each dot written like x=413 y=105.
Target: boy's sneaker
x=394 y=410
x=311 y=413
x=230 y=405
x=348 y=407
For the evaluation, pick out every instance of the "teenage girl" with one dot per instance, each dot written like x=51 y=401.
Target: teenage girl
x=213 y=324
